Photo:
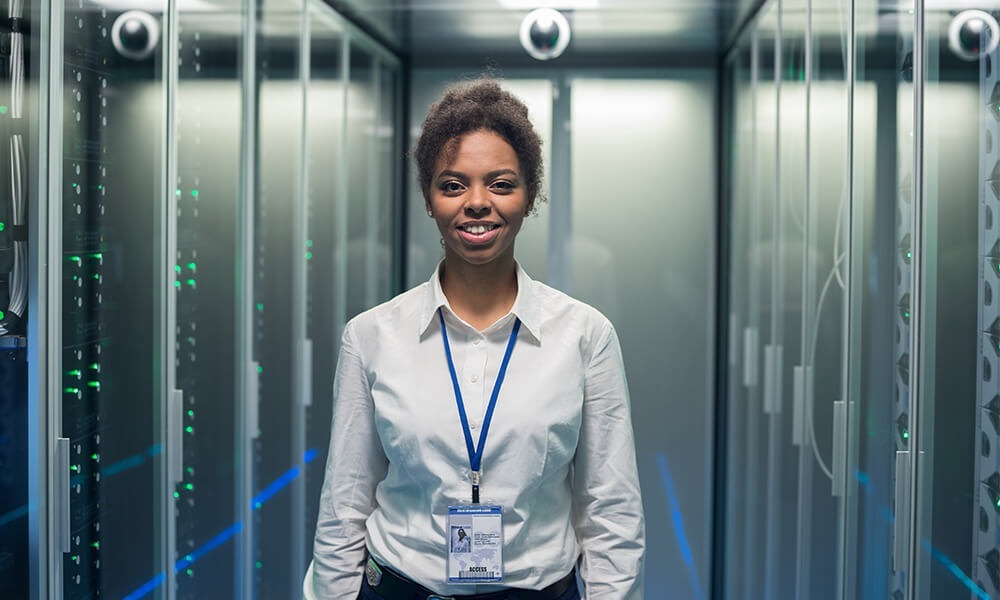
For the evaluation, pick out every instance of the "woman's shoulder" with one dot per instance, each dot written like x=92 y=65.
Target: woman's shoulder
x=563 y=311
x=398 y=311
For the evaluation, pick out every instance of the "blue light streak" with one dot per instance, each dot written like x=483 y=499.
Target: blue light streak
x=939 y=556
x=224 y=536
x=954 y=569
x=678 y=521
x=15 y=514
x=123 y=465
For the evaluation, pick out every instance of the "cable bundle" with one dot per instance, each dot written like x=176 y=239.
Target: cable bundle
x=12 y=321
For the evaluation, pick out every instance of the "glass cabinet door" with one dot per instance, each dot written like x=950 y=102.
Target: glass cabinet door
x=20 y=444
x=741 y=128
x=957 y=491
x=278 y=505
x=326 y=274
x=112 y=230
x=208 y=123
x=880 y=288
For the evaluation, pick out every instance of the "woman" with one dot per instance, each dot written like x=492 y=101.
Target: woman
x=479 y=353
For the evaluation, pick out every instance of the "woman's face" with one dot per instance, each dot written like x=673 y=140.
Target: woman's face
x=478 y=198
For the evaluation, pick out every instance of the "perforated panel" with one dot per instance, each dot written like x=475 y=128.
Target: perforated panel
x=985 y=539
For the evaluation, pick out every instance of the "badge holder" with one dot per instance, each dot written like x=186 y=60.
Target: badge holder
x=475 y=543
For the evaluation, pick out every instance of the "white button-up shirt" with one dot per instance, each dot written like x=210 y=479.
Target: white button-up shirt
x=559 y=456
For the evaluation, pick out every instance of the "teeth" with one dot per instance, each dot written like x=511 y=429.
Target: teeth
x=478 y=229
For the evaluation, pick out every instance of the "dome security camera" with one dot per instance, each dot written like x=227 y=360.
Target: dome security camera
x=545 y=34
x=135 y=34
x=972 y=34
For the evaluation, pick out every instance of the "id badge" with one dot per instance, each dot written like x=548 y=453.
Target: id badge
x=475 y=543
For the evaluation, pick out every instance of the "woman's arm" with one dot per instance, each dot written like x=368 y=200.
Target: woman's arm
x=607 y=505
x=354 y=468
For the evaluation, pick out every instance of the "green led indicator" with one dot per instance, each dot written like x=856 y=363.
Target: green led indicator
x=100 y=187
x=95 y=456
x=191 y=413
x=76 y=259
x=74 y=185
x=906 y=314
x=189 y=470
x=177 y=495
x=74 y=373
x=190 y=282
x=177 y=284
x=75 y=468
x=260 y=369
x=906 y=435
x=95 y=367
x=189 y=486
x=257 y=505
x=998 y=502
x=72 y=390
x=189 y=429
x=96 y=545
x=94 y=384
x=97 y=255
x=194 y=193
x=189 y=572
x=177 y=268
x=3 y=226
x=3 y=109
x=178 y=192
x=97 y=276
x=309 y=243
x=260 y=306
x=258 y=564
x=192 y=266
x=309 y=255
x=2 y=315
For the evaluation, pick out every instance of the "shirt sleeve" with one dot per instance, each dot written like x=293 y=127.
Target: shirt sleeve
x=607 y=505
x=355 y=466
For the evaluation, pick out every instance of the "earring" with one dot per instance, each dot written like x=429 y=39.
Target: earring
x=442 y=242
x=430 y=214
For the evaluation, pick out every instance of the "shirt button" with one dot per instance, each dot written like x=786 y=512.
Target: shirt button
x=474 y=425
x=476 y=341
x=474 y=378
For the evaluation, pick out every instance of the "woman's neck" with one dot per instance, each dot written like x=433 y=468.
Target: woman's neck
x=479 y=294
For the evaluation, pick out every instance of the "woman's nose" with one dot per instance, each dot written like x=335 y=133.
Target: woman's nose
x=478 y=204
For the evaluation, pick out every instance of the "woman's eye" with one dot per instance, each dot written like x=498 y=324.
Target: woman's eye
x=503 y=186
x=451 y=187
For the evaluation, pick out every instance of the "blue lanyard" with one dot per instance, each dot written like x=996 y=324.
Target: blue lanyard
x=476 y=454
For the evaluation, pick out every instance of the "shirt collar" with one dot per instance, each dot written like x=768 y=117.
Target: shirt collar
x=526 y=306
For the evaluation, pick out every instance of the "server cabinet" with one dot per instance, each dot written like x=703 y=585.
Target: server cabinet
x=326 y=202
x=19 y=43
x=208 y=122
x=279 y=259
x=112 y=176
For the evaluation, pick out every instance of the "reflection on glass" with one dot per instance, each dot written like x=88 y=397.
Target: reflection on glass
x=110 y=334
x=641 y=217
x=956 y=500
x=278 y=505
x=324 y=127
x=208 y=123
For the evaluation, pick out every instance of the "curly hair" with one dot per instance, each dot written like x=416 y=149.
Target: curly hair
x=476 y=106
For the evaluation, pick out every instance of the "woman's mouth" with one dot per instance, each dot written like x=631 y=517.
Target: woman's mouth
x=478 y=233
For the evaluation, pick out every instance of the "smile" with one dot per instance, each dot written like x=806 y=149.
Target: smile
x=478 y=229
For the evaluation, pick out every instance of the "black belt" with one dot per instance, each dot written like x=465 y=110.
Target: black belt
x=394 y=586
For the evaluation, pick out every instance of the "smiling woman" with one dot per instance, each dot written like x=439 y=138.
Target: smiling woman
x=558 y=479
